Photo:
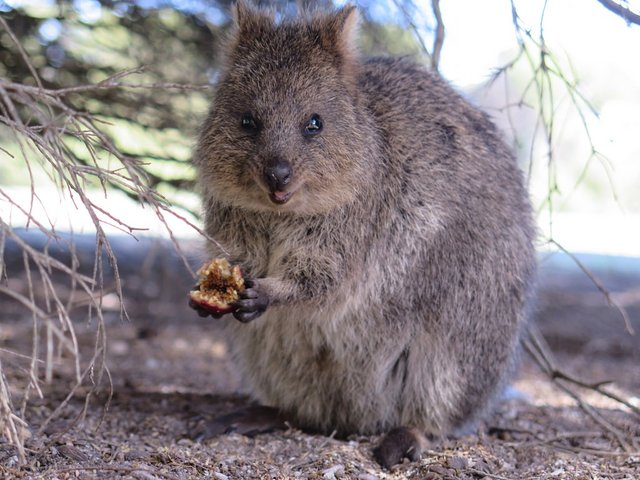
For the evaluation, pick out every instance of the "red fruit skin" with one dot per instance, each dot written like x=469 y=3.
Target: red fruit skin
x=217 y=308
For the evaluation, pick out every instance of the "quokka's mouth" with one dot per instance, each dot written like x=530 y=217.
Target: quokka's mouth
x=280 y=198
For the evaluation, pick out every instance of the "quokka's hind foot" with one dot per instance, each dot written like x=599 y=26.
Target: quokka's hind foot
x=249 y=421
x=399 y=443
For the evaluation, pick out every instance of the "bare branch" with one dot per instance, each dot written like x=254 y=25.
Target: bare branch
x=72 y=147
x=537 y=347
x=23 y=53
x=622 y=11
x=603 y=290
x=438 y=41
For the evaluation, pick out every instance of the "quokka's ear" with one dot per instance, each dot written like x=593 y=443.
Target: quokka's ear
x=345 y=25
x=338 y=34
x=250 y=20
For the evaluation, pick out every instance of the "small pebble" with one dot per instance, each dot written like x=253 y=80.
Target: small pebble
x=331 y=473
x=459 y=463
x=367 y=476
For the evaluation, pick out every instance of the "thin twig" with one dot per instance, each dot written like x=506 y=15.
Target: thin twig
x=603 y=290
x=11 y=425
x=23 y=53
x=597 y=417
x=438 y=41
x=537 y=347
x=621 y=10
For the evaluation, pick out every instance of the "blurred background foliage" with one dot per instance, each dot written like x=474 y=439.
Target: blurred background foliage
x=172 y=44
x=563 y=114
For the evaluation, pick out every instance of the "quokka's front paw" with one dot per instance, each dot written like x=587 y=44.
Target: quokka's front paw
x=252 y=303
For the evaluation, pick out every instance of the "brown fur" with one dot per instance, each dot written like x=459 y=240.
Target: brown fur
x=398 y=274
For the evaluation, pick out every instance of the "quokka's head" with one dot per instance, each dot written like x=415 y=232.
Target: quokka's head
x=285 y=131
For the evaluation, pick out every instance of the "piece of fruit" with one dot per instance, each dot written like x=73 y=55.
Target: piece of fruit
x=218 y=287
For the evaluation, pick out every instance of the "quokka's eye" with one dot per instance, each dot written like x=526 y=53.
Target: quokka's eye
x=313 y=126
x=248 y=123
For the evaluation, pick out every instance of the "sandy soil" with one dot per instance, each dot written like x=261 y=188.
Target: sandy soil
x=170 y=370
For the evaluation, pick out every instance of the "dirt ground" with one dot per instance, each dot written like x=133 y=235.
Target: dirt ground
x=170 y=370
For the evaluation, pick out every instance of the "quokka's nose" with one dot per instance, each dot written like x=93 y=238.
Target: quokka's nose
x=277 y=175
